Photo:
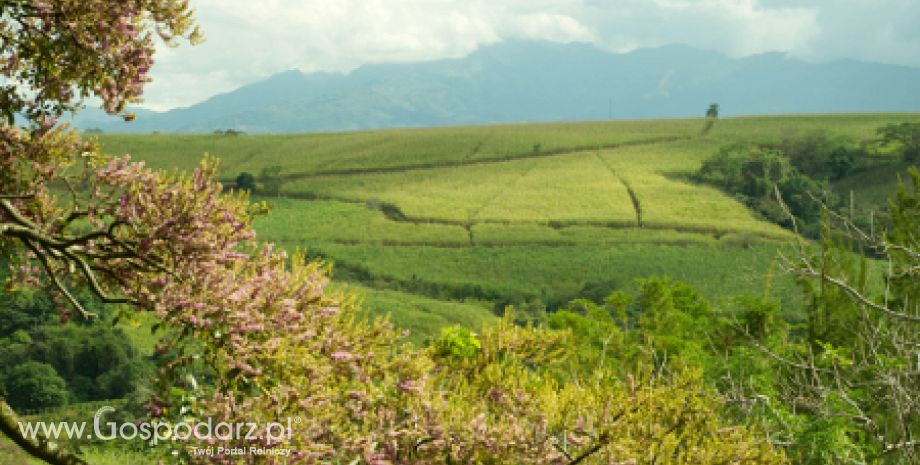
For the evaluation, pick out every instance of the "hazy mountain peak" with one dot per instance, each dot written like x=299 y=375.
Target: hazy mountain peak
x=523 y=80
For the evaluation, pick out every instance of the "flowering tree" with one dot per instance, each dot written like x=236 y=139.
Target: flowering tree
x=272 y=340
x=52 y=55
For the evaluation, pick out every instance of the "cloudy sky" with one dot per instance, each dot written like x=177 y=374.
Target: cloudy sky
x=249 y=40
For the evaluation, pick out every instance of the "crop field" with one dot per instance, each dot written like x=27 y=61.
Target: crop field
x=380 y=150
x=446 y=225
x=559 y=273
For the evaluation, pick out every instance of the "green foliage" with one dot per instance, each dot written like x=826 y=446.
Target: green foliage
x=34 y=385
x=24 y=311
x=905 y=221
x=674 y=320
x=713 y=111
x=585 y=409
x=905 y=137
x=820 y=155
x=245 y=181
x=755 y=173
x=457 y=341
x=759 y=318
x=227 y=132
x=600 y=340
x=344 y=373
x=838 y=384
x=556 y=275
x=663 y=323
x=270 y=178
x=95 y=360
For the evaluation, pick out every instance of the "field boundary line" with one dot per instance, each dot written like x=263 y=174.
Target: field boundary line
x=393 y=212
x=478 y=147
x=637 y=207
x=501 y=191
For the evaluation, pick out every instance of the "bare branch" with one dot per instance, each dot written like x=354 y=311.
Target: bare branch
x=842 y=285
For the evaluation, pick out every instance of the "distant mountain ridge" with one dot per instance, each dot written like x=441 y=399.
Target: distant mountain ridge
x=523 y=81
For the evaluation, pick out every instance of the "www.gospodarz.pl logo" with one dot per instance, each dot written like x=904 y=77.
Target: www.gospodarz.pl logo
x=161 y=431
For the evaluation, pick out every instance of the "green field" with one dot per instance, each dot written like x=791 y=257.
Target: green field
x=332 y=152
x=446 y=225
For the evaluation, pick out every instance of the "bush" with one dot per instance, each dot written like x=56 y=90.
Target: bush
x=246 y=181
x=904 y=136
x=459 y=342
x=271 y=180
x=228 y=132
x=98 y=362
x=95 y=360
x=819 y=155
x=35 y=385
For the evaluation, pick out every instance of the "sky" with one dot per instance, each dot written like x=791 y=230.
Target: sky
x=250 y=40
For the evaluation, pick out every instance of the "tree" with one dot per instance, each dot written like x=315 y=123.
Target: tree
x=246 y=181
x=35 y=385
x=712 y=114
x=54 y=54
x=271 y=180
x=905 y=136
x=713 y=111
x=856 y=367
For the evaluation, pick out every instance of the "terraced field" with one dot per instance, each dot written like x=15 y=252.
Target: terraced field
x=437 y=226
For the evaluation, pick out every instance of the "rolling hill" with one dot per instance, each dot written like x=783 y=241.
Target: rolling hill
x=443 y=226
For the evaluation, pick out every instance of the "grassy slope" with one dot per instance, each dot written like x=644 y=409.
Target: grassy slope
x=324 y=152
x=421 y=316
x=719 y=271
x=534 y=211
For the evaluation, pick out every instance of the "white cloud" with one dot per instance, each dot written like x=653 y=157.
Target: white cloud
x=733 y=27
x=751 y=28
x=250 y=40
x=556 y=27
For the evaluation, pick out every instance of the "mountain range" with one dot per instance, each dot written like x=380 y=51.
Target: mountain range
x=525 y=81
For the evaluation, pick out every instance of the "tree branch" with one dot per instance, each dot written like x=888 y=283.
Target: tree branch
x=842 y=285
x=43 y=259
x=39 y=446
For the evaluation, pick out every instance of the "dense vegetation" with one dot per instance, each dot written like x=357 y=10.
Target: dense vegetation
x=632 y=371
x=45 y=364
x=510 y=231
x=800 y=171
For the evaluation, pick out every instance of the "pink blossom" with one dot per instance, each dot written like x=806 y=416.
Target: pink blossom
x=341 y=356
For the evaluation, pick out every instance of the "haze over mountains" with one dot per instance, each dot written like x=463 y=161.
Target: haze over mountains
x=521 y=81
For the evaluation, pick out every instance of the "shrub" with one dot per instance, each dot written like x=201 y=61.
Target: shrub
x=246 y=182
x=904 y=136
x=34 y=385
